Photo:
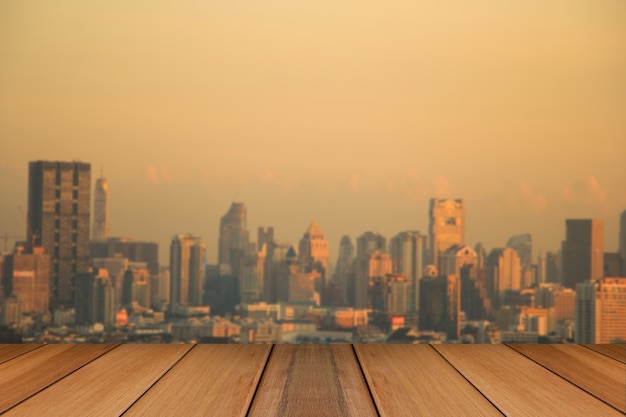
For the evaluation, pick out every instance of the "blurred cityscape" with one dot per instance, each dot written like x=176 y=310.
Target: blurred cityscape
x=67 y=281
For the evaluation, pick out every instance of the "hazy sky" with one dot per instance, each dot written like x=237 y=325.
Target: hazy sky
x=353 y=113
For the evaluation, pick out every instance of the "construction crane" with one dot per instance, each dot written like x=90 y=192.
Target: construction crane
x=6 y=238
x=33 y=236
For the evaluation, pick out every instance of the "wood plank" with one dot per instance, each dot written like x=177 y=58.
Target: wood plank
x=615 y=351
x=42 y=367
x=8 y=352
x=595 y=373
x=217 y=380
x=312 y=380
x=519 y=386
x=414 y=380
x=106 y=386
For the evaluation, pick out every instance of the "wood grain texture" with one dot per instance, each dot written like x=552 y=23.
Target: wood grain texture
x=106 y=386
x=312 y=380
x=520 y=387
x=8 y=352
x=43 y=367
x=595 y=373
x=211 y=380
x=615 y=351
x=414 y=380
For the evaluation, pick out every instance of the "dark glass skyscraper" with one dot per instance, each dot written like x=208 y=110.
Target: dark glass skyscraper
x=58 y=219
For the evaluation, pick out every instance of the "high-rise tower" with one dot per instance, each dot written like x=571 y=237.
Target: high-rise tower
x=187 y=255
x=622 y=241
x=583 y=251
x=58 y=219
x=234 y=237
x=447 y=227
x=100 y=228
x=314 y=248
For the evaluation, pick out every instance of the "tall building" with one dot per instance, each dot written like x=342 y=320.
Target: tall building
x=503 y=273
x=583 y=251
x=376 y=264
x=100 y=229
x=368 y=242
x=95 y=298
x=264 y=236
x=187 y=256
x=275 y=255
x=475 y=300
x=447 y=227
x=234 y=237
x=58 y=219
x=314 y=248
x=251 y=276
x=553 y=267
x=622 y=242
x=600 y=311
x=134 y=251
x=455 y=258
x=344 y=264
x=523 y=244
x=27 y=275
x=406 y=250
x=440 y=305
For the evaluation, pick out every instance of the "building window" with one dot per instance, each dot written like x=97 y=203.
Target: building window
x=58 y=176
x=57 y=237
x=57 y=224
x=74 y=237
x=57 y=194
x=57 y=208
x=74 y=208
x=74 y=224
x=75 y=194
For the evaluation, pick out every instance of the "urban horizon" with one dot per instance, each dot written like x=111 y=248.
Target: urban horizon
x=10 y=233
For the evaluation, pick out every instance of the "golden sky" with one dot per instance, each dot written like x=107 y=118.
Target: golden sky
x=354 y=113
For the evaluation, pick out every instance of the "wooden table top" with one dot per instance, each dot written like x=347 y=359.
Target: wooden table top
x=313 y=380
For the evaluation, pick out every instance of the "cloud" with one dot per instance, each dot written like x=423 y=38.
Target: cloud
x=267 y=176
x=441 y=186
x=589 y=193
x=523 y=195
x=354 y=182
x=158 y=174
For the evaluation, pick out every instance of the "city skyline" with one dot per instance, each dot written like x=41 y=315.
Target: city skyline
x=212 y=252
x=353 y=115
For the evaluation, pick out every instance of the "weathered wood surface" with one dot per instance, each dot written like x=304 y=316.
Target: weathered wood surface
x=104 y=387
x=214 y=380
x=42 y=367
x=520 y=387
x=414 y=380
x=597 y=374
x=313 y=380
x=615 y=351
x=8 y=352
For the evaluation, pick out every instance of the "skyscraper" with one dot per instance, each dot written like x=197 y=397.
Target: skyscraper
x=28 y=277
x=233 y=232
x=447 y=227
x=58 y=219
x=344 y=264
x=523 y=244
x=503 y=273
x=622 y=241
x=314 y=248
x=406 y=250
x=187 y=255
x=440 y=303
x=600 y=311
x=583 y=251
x=100 y=228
